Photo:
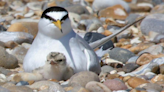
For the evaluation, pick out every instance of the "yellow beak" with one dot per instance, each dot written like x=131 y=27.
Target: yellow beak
x=58 y=24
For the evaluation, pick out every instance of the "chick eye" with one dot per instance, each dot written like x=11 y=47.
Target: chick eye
x=60 y=60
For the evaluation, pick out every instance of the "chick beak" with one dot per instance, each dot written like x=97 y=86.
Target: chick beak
x=53 y=63
x=58 y=24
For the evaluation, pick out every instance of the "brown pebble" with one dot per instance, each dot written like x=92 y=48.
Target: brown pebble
x=31 y=82
x=135 y=82
x=106 y=33
x=11 y=44
x=112 y=76
x=68 y=88
x=158 y=77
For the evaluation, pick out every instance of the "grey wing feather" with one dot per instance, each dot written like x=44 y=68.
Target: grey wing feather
x=92 y=59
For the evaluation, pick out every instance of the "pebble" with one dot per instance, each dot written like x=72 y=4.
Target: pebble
x=3 y=89
x=40 y=84
x=5 y=71
x=135 y=82
x=11 y=44
x=141 y=46
x=106 y=69
x=79 y=89
x=56 y=88
x=152 y=22
x=2 y=44
x=158 y=9
x=141 y=7
x=157 y=78
x=6 y=60
x=130 y=67
x=20 y=89
x=151 y=86
x=18 y=37
x=19 y=52
x=28 y=27
x=115 y=12
x=21 y=83
x=94 y=86
x=154 y=50
x=120 y=54
x=79 y=9
x=82 y=78
x=99 y=5
x=115 y=84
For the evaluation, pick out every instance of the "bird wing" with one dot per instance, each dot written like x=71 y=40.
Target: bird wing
x=104 y=40
x=88 y=56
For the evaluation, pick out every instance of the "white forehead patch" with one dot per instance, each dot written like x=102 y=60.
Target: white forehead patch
x=57 y=15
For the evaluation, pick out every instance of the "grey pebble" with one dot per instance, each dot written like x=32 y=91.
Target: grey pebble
x=153 y=22
x=19 y=52
x=21 y=83
x=56 y=88
x=106 y=69
x=6 y=60
x=82 y=78
x=121 y=54
x=130 y=67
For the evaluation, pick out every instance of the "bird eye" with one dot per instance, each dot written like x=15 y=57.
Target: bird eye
x=62 y=21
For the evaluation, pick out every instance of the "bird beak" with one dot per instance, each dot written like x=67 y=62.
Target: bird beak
x=58 y=24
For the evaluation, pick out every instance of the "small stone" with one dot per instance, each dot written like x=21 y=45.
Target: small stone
x=20 y=89
x=31 y=82
x=56 y=88
x=19 y=52
x=11 y=44
x=82 y=78
x=153 y=22
x=157 y=78
x=135 y=82
x=79 y=9
x=3 y=89
x=8 y=84
x=28 y=27
x=130 y=67
x=115 y=12
x=145 y=58
x=38 y=85
x=120 y=54
x=6 y=60
x=154 y=50
x=140 y=47
x=94 y=86
x=158 y=9
x=99 y=5
x=2 y=44
x=22 y=83
x=112 y=76
x=106 y=69
x=151 y=86
x=2 y=78
x=132 y=59
x=150 y=75
x=115 y=84
x=141 y=7
x=18 y=37
x=79 y=89
x=106 y=33
x=5 y=71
